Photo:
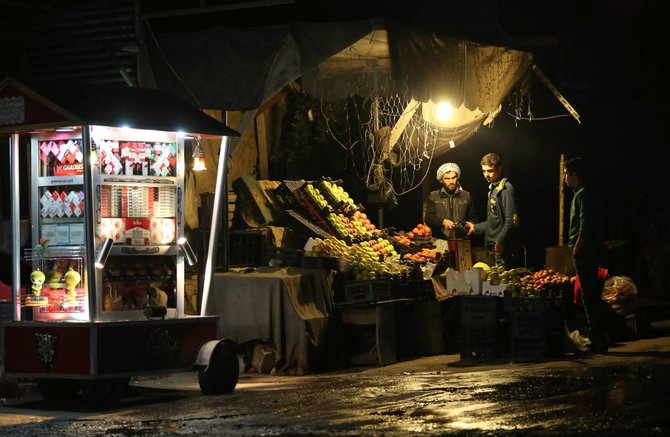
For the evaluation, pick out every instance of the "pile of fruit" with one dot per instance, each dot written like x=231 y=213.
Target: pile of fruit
x=337 y=194
x=521 y=282
x=368 y=259
x=543 y=279
x=424 y=255
x=420 y=232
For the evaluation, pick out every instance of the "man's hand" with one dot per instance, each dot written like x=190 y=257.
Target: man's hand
x=471 y=228
x=448 y=224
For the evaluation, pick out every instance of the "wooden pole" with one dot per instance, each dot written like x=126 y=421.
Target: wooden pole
x=561 y=198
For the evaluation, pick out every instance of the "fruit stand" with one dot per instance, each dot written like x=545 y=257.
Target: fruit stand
x=411 y=268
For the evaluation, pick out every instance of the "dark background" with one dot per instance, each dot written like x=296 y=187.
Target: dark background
x=605 y=57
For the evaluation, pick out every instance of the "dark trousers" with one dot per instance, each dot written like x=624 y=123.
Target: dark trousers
x=586 y=266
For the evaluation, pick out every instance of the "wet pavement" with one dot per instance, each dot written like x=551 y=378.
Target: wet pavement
x=625 y=391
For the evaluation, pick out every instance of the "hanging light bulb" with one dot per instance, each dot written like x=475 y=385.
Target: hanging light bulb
x=444 y=111
x=198 y=156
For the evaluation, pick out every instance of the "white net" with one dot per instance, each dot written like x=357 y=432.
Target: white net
x=388 y=134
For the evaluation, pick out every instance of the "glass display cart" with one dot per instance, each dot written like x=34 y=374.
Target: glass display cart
x=108 y=256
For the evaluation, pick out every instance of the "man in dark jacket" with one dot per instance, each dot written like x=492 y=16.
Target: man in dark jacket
x=502 y=218
x=450 y=206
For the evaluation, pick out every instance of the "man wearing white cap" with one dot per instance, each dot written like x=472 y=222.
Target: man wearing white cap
x=451 y=206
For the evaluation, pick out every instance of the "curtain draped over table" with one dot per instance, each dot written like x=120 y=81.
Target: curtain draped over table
x=288 y=307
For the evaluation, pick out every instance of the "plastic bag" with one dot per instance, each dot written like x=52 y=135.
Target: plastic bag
x=191 y=202
x=427 y=270
x=620 y=293
x=577 y=341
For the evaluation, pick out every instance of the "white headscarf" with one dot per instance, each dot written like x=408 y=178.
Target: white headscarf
x=445 y=168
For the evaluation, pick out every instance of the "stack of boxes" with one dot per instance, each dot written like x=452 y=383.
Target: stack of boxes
x=518 y=329
x=536 y=328
x=480 y=336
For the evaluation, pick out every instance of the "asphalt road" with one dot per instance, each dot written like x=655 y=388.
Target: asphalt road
x=623 y=391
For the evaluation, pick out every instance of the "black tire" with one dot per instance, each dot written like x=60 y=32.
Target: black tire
x=58 y=390
x=223 y=371
x=104 y=392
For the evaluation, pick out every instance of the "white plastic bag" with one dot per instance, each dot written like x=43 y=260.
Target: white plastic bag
x=578 y=342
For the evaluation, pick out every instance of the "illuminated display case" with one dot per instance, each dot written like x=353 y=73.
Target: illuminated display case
x=138 y=180
x=58 y=205
x=105 y=300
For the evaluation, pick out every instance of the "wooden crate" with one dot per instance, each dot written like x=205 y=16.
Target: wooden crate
x=559 y=258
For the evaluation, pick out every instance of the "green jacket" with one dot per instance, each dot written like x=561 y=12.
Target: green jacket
x=583 y=219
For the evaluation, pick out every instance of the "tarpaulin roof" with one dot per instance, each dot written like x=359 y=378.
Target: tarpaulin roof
x=139 y=108
x=239 y=69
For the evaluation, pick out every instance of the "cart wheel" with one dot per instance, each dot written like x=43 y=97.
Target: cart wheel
x=104 y=392
x=58 y=390
x=220 y=376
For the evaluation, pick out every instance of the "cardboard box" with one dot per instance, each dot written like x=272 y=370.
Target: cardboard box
x=493 y=290
x=163 y=231
x=468 y=282
x=77 y=233
x=62 y=234
x=49 y=233
x=559 y=259
x=114 y=228
x=463 y=254
x=138 y=231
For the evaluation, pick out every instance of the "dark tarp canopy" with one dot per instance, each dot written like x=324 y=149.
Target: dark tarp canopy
x=239 y=69
x=138 y=108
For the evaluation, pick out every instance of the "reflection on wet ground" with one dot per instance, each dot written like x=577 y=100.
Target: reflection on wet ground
x=584 y=401
x=626 y=391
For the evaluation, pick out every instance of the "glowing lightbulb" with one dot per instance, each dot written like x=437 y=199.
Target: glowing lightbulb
x=199 y=163
x=444 y=111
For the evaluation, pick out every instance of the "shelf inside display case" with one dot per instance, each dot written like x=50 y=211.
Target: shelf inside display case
x=130 y=285
x=131 y=157
x=57 y=287
x=51 y=181
x=144 y=250
x=60 y=156
x=137 y=189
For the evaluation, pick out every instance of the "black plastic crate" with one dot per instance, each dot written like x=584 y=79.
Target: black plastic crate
x=285 y=193
x=479 y=342
x=402 y=289
x=321 y=262
x=288 y=257
x=366 y=291
x=423 y=288
x=530 y=304
x=480 y=310
x=304 y=225
x=524 y=324
x=248 y=247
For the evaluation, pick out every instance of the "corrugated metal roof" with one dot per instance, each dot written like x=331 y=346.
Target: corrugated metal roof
x=83 y=42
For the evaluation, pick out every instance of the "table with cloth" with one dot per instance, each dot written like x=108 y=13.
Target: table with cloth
x=289 y=307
